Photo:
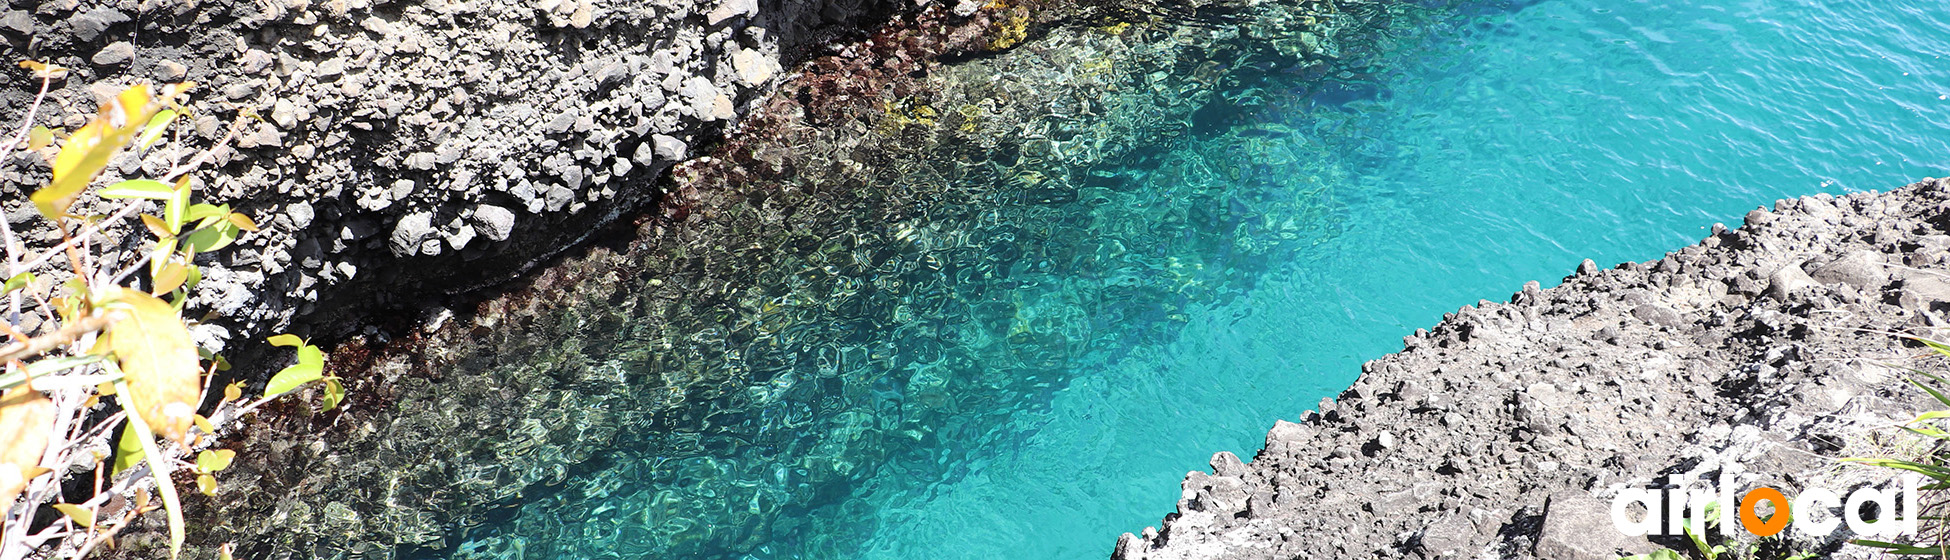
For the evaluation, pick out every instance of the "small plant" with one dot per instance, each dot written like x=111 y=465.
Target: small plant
x=1930 y=464
x=1709 y=551
x=113 y=329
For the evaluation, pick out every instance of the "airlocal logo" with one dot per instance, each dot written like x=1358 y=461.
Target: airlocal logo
x=1812 y=512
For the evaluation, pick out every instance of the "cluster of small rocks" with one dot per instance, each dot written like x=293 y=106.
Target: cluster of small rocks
x=397 y=150
x=1760 y=354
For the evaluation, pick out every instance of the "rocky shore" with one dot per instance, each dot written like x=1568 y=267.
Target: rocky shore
x=398 y=152
x=1760 y=354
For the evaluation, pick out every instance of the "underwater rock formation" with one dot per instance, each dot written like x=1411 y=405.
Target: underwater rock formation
x=883 y=262
x=1762 y=354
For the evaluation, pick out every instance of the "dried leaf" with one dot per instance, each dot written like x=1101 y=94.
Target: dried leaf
x=26 y=417
x=159 y=362
x=242 y=221
x=156 y=226
x=80 y=515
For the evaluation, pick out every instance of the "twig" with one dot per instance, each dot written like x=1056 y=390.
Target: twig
x=41 y=344
x=85 y=232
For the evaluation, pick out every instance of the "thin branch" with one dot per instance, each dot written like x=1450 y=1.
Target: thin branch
x=85 y=232
x=41 y=344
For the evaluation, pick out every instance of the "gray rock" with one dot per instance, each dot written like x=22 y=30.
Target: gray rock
x=115 y=54
x=18 y=21
x=669 y=148
x=557 y=197
x=90 y=24
x=494 y=222
x=1658 y=315
x=1861 y=269
x=1578 y=527
x=299 y=214
x=410 y=233
x=1787 y=280
x=728 y=9
x=1452 y=537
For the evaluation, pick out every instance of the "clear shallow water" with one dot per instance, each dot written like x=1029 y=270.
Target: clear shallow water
x=1026 y=368
x=1494 y=149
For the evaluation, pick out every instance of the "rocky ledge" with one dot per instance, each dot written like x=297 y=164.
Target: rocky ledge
x=399 y=151
x=1763 y=354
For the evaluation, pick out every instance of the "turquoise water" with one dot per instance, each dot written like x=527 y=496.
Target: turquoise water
x=1496 y=148
x=1025 y=367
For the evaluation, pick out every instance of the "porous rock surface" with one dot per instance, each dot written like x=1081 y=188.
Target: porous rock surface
x=399 y=149
x=1761 y=354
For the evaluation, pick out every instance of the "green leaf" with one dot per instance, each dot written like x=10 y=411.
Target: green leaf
x=154 y=130
x=1661 y=554
x=212 y=238
x=1903 y=549
x=310 y=367
x=128 y=449
x=210 y=461
x=80 y=515
x=178 y=203
x=149 y=189
x=18 y=281
x=334 y=393
x=1933 y=392
x=202 y=211
x=286 y=340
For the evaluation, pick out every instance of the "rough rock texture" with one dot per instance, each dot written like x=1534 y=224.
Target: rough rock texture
x=1760 y=354
x=405 y=149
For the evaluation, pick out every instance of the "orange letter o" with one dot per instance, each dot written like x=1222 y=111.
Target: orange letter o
x=1752 y=521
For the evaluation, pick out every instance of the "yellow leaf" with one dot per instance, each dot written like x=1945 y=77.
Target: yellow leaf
x=207 y=484
x=243 y=222
x=26 y=416
x=43 y=69
x=80 y=515
x=39 y=137
x=156 y=226
x=169 y=278
x=158 y=361
x=233 y=392
x=204 y=423
x=90 y=147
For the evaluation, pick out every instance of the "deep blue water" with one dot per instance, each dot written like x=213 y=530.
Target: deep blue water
x=1047 y=376
x=1489 y=150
